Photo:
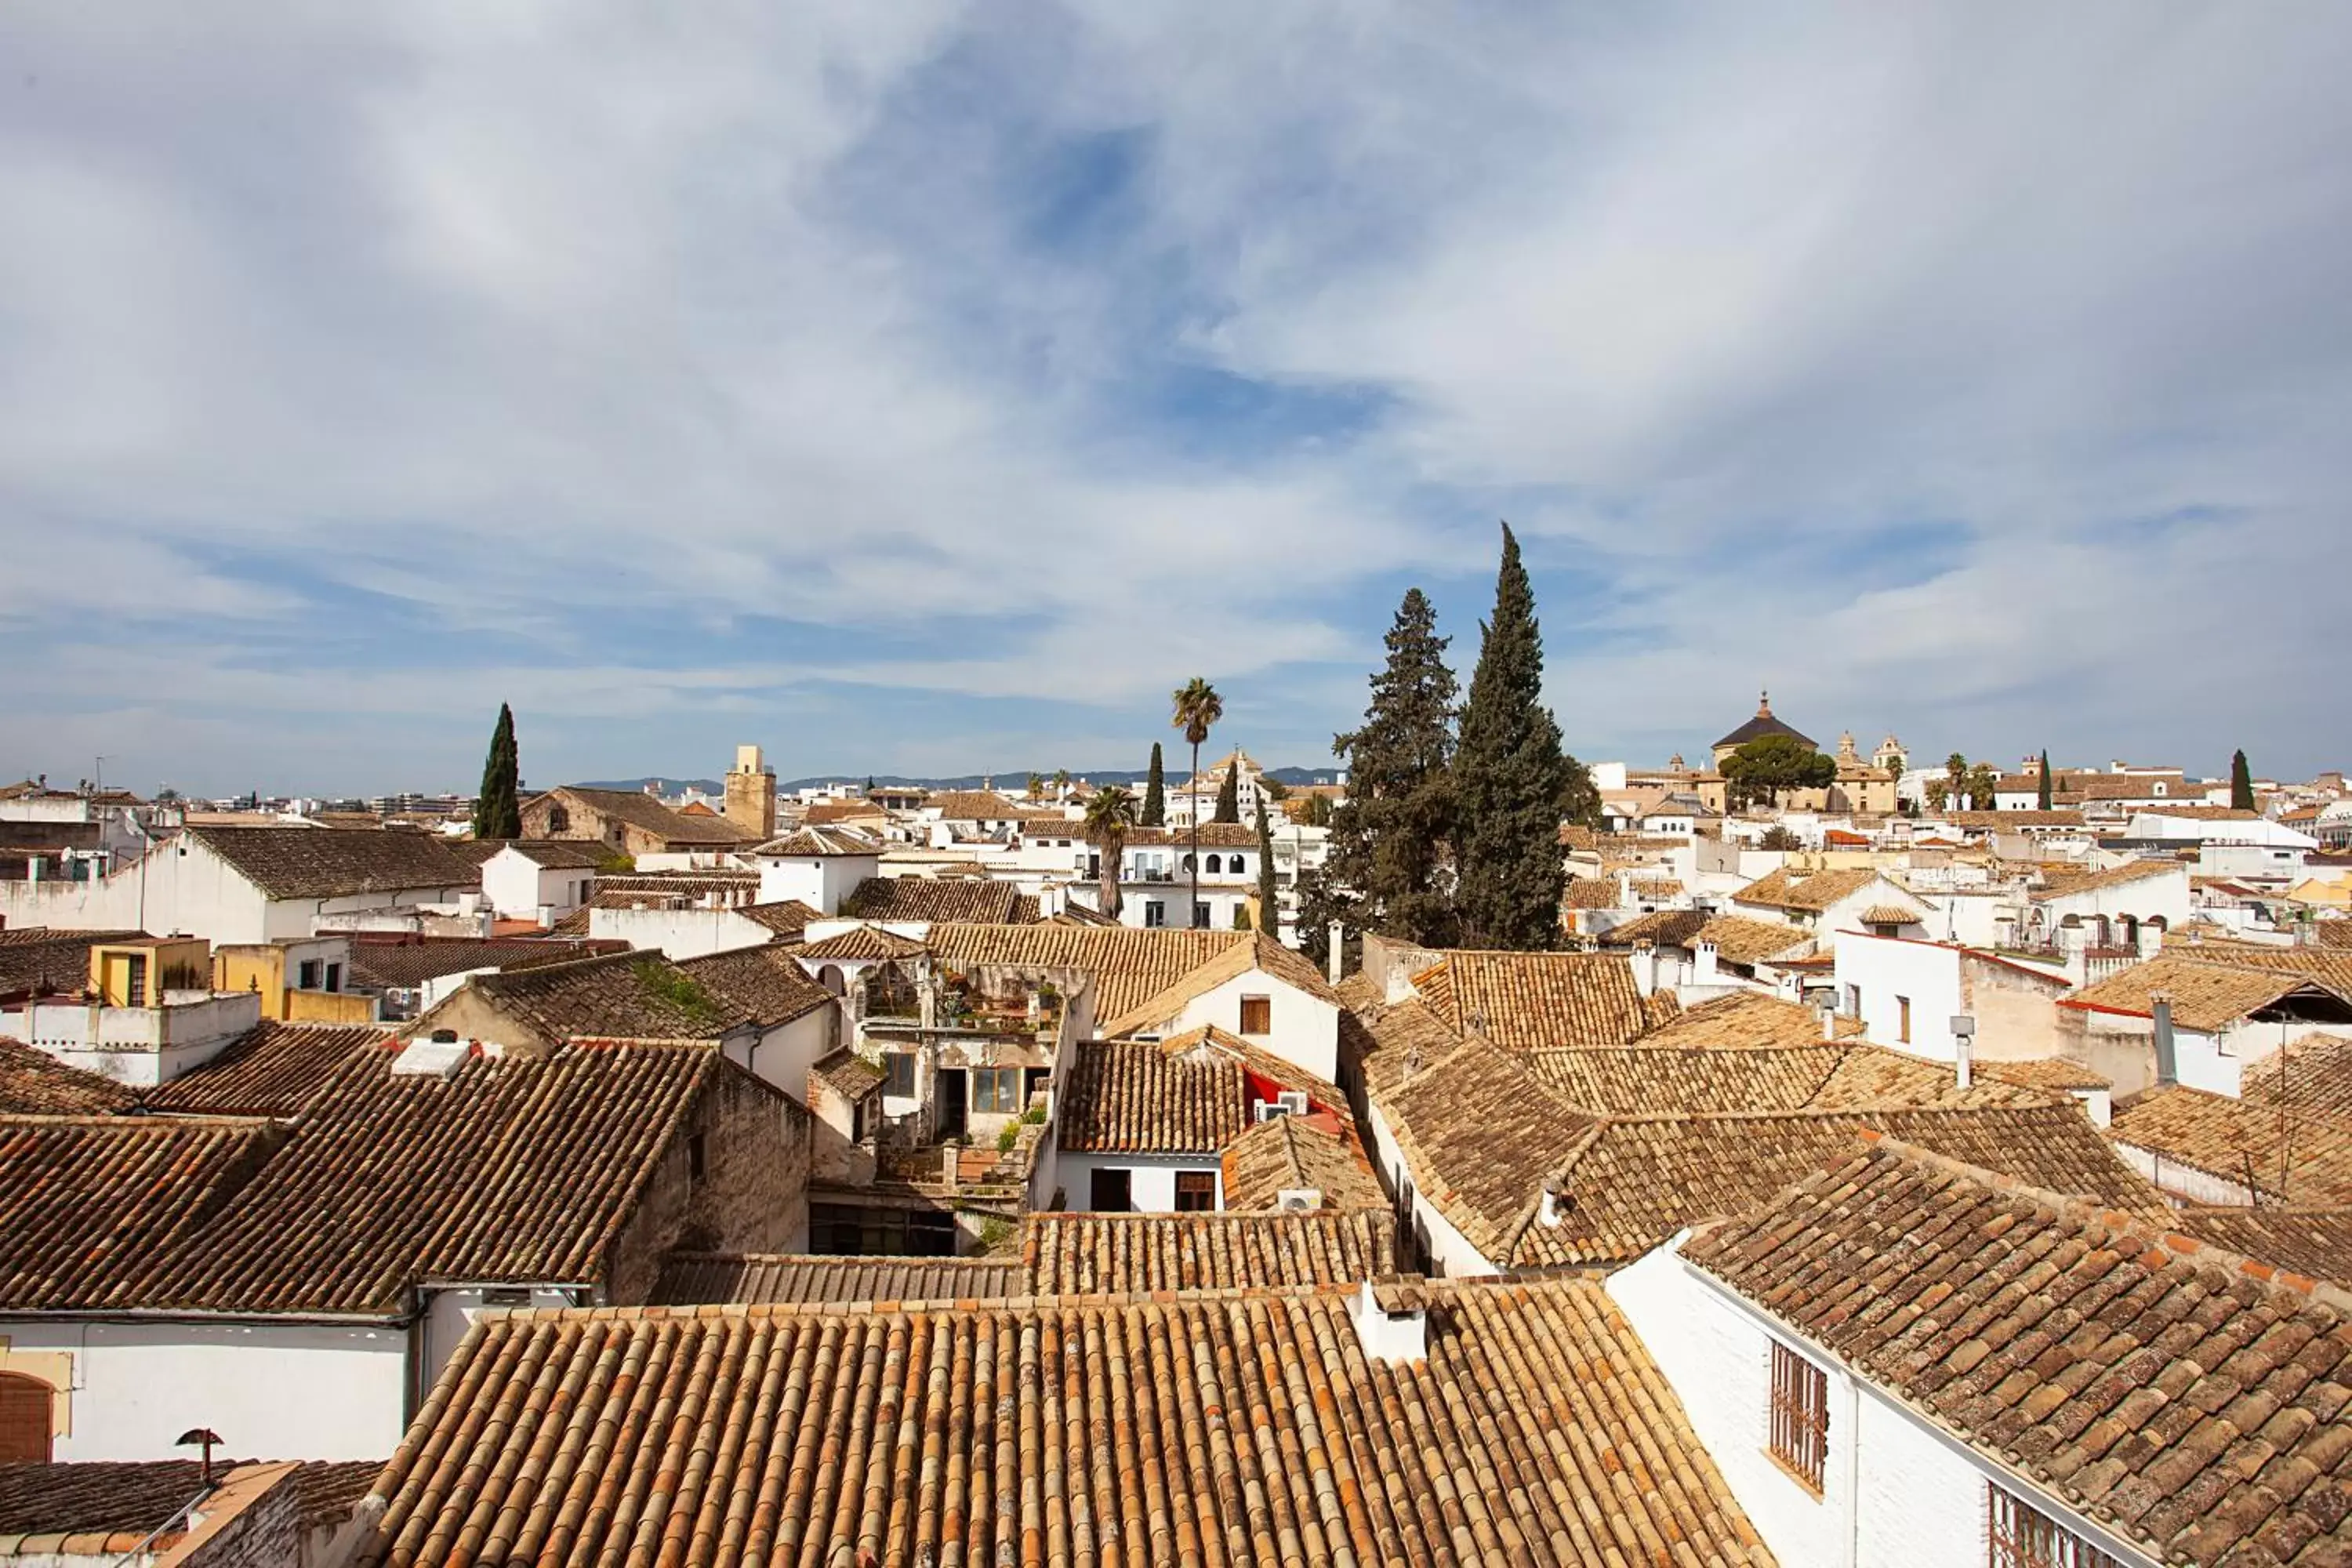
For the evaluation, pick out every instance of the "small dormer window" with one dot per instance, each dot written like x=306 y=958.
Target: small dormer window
x=558 y=820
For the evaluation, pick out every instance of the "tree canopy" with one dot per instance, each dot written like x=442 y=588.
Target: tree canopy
x=1391 y=838
x=497 y=813
x=2242 y=783
x=1511 y=777
x=1758 y=773
x=1229 y=794
x=1155 y=793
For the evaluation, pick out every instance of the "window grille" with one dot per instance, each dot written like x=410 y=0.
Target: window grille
x=2022 y=1536
x=1800 y=1415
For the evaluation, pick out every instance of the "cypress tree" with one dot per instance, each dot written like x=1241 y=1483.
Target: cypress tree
x=497 y=812
x=1510 y=779
x=2042 y=795
x=1229 y=793
x=1269 y=896
x=1155 y=793
x=1390 y=836
x=2242 y=783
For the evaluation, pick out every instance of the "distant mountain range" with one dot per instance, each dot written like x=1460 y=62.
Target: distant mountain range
x=898 y=781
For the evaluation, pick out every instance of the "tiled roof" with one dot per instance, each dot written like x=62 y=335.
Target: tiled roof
x=2206 y=996
x=860 y=945
x=2045 y=1072
x=622 y=995
x=1287 y=1153
x=1737 y=938
x=511 y=1169
x=1811 y=893
x=762 y=984
x=929 y=899
x=1251 y=950
x=692 y=885
x=51 y=963
x=1118 y=1254
x=2173 y=1393
x=1261 y=1063
x=1135 y=1098
x=2067 y=883
x=272 y=1070
x=849 y=1075
x=769 y=1279
x=1592 y=893
x=641 y=810
x=98 y=1206
x=985 y=806
x=1245 y=1428
x=2239 y=1141
x=35 y=1083
x=1134 y=970
x=580 y=854
x=1213 y=836
x=1889 y=915
x=1998 y=820
x=1745 y=1018
x=2312 y=1074
x=822 y=843
x=786 y=917
x=2321 y=966
x=1540 y=1001
x=1822 y=1076
x=2314 y=1242
x=336 y=862
x=112 y=1508
x=412 y=961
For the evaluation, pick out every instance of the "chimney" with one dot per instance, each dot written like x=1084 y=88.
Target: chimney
x=1555 y=1204
x=1646 y=967
x=1338 y=949
x=1704 y=952
x=2167 y=1061
x=1827 y=1004
x=1393 y=1337
x=1964 y=1029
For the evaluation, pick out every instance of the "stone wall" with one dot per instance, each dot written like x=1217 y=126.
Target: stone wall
x=735 y=1179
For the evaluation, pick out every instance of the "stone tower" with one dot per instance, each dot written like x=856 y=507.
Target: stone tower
x=752 y=795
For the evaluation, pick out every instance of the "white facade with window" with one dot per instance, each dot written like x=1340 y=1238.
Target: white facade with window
x=1895 y=1492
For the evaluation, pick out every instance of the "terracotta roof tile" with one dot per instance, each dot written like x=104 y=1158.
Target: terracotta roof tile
x=622 y=996
x=1133 y=1097
x=764 y=985
x=1121 y=1254
x=1746 y=1018
x=273 y=1069
x=50 y=963
x=640 y=810
x=2187 y=1401
x=411 y=962
x=2241 y=1141
x=35 y=1083
x=1135 y=972
x=861 y=944
x=1811 y=893
x=1539 y=1001
x=1289 y=1153
x=768 y=1280
x=822 y=843
x=1737 y=938
x=1247 y=1426
x=2206 y=995
x=849 y=1075
x=932 y=898
x=336 y=862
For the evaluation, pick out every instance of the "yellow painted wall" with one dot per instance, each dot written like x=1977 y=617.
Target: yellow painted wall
x=168 y=962
x=255 y=966
x=328 y=1007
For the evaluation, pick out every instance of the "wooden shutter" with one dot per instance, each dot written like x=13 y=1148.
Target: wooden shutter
x=24 y=1419
x=1801 y=1416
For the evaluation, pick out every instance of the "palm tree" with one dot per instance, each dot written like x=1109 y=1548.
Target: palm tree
x=1109 y=815
x=1061 y=783
x=1198 y=709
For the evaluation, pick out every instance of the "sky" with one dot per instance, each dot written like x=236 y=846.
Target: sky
x=919 y=389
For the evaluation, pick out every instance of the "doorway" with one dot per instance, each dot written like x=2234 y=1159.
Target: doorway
x=953 y=1092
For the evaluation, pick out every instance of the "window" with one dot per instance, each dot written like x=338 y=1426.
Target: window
x=1236 y=864
x=1799 y=1416
x=900 y=1067
x=698 y=1157
x=2022 y=1536
x=135 y=986
x=306 y=975
x=1111 y=1192
x=996 y=1090
x=559 y=821
x=1200 y=917
x=1257 y=1015
x=1155 y=913
x=1196 y=1192
x=1902 y=1019
x=1215 y=866
x=24 y=1420
x=334 y=978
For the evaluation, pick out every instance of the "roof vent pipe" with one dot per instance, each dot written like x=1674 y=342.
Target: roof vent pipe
x=2168 y=1060
x=1964 y=1029
x=1550 y=1213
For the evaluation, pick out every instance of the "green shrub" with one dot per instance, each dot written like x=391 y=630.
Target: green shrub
x=1009 y=1137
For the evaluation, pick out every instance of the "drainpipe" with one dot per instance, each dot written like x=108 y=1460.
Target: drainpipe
x=2167 y=1061
x=1850 y=1473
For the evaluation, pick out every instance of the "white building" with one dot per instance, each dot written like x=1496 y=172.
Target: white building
x=541 y=879
x=819 y=867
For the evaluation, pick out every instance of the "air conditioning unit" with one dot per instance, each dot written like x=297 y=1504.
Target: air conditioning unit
x=1293 y=1100
x=1267 y=1111
x=1299 y=1200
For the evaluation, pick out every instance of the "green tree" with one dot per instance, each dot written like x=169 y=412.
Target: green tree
x=1229 y=793
x=1109 y=814
x=1391 y=838
x=1982 y=786
x=1322 y=904
x=1758 y=771
x=1197 y=708
x=2042 y=788
x=1061 y=783
x=1269 y=893
x=1036 y=786
x=1155 y=793
x=497 y=814
x=1511 y=778
x=1272 y=788
x=1778 y=837
x=1317 y=812
x=1956 y=780
x=1939 y=793
x=2242 y=783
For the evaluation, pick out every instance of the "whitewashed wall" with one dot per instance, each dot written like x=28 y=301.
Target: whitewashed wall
x=276 y=1391
x=1151 y=1178
x=1304 y=1028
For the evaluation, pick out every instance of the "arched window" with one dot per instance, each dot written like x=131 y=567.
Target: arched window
x=1212 y=863
x=830 y=978
x=24 y=1419
x=1187 y=864
x=1236 y=866
x=559 y=820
